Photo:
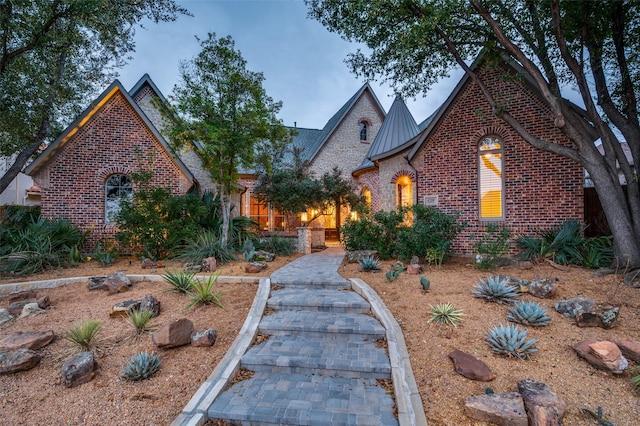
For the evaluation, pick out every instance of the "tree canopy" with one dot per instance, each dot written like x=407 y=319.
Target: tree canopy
x=588 y=48
x=53 y=55
x=222 y=111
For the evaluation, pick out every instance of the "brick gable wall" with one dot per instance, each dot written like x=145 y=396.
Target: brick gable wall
x=541 y=189
x=73 y=181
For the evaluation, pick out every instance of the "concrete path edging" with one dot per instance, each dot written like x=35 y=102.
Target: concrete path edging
x=408 y=400
x=195 y=412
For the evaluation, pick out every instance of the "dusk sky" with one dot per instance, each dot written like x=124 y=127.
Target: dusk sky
x=303 y=63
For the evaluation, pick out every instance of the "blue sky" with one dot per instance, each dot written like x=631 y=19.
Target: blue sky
x=303 y=63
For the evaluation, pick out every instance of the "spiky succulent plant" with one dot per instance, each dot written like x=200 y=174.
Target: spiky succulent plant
x=528 y=313
x=369 y=264
x=496 y=289
x=141 y=366
x=446 y=313
x=510 y=340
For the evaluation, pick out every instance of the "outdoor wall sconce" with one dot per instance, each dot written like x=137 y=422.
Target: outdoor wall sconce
x=303 y=217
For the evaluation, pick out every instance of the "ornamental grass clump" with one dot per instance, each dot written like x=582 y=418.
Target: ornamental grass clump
x=529 y=313
x=496 y=289
x=84 y=335
x=141 y=366
x=510 y=340
x=139 y=319
x=180 y=281
x=202 y=292
x=446 y=314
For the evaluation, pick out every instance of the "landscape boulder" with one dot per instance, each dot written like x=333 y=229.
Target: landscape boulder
x=31 y=310
x=358 y=255
x=542 y=288
x=150 y=303
x=15 y=307
x=255 y=267
x=173 y=334
x=150 y=264
x=204 y=338
x=117 y=282
x=5 y=316
x=22 y=295
x=543 y=406
x=265 y=255
x=97 y=283
x=210 y=264
x=414 y=269
x=629 y=349
x=18 y=360
x=603 y=355
x=572 y=307
x=503 y=409
x=470 y=367
x=26 y=340
x=81 y=368
x=602 y=317
x=122 y=309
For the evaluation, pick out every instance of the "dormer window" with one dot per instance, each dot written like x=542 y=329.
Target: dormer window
x=363 y=131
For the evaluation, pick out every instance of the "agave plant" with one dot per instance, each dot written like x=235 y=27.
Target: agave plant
x=510 y=340
x=446 y=313
x=528 y=313
x=369 y=264
x=141 y=366
x=496 y=289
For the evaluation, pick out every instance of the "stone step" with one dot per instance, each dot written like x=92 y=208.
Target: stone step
x=273 y=399
x=318 y=300
x=289 y=322
x=313 y=284
x=335 y=356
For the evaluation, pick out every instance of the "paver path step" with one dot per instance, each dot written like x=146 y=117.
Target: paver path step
x=339 y=356
x=318 y=300
x=287 y=322
x=274 y=399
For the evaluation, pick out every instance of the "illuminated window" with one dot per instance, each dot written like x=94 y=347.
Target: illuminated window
x=404 y=191
x=363 y=131
x=491 y=183
x=260 y=213
x=366 y=194
x=117 y=188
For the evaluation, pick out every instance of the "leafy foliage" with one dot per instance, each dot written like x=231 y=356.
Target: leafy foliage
x=635 y=380
x=248 y=250
x=496 y=289
x=277 y=244
x=206 y=244
x=446 y=314
x=84 y=335
x=492 y=245
x=202 y=292
x=510 y=340
x=141 y=366
x=529 y=313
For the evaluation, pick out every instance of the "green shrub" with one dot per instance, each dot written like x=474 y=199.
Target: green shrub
x=206 y=244
x=491 y=246
x=202 y=292
x=361 y=234
x=277 y=244
x=598 y=252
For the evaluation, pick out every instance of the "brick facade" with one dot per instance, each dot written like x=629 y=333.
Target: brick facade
x=541 y=189
x=73 y=180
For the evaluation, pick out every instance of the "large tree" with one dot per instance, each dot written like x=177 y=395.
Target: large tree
x=222 y=111
x=587 y=47
x=53 y=55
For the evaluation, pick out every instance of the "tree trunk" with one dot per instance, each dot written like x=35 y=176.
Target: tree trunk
x=19 y=163
x=225 y=201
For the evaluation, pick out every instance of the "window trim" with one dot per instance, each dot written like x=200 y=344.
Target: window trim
x=500 y=151
x=120 y=187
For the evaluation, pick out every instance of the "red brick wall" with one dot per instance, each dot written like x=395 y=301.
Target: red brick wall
x=541 y=189
x=73 y=180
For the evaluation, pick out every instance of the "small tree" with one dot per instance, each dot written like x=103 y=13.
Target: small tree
x=223 y=112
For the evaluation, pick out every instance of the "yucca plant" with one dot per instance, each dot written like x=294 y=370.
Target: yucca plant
x=369 y=264
x=528 y=313
x=496 y=289
x=180 y=281
x=510 y=340
x=84 y=335
x=141 y=366
x=202 y=292
x=635 y=380
x=139 y=319
x=207 y=244
x=446 y=313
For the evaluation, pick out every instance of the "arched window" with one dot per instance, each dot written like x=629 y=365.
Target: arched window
x=490 y=179
x=366 y=193
x=116 y=188
x=404 y=191
x=363 y=131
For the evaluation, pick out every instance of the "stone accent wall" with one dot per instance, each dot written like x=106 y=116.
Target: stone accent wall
x=344 y=148
x=371 y=180
x=389 y=170
x=541 y=189
x=73 y=181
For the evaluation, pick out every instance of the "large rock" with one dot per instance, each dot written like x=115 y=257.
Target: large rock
x=150 y=264
x=150 y=303
x=31 y=310
x=629 y=349
x=503 y=409
x=79 y=369
x=173 y=334
x=543 y=406
x=604 y=355
x=117 y=282
x=17 y=306
x=204 y=338
x=602 y=317
x=470 y=367
x=356 y=256
x=5 y=316
x=18 y=360
x=97 y=283
x=210 y=264
x=27 y=340
x=265 y=255
x=22 y=295
x=254 y=267
x=571 y=307
x=414 y=269
x=122 y=309
x=542 y=288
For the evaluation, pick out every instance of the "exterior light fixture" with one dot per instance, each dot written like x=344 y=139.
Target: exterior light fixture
x=303 y=216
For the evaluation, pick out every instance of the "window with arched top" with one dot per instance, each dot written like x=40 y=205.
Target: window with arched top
x=363 y=131
x=117 y=187
x=490 y=178
x=366 y=194
x=404 y=191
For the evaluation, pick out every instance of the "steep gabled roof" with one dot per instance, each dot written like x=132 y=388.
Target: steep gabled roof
x=145 y=80
x=90 y=112
x=397 y=129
